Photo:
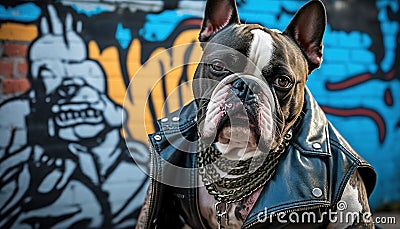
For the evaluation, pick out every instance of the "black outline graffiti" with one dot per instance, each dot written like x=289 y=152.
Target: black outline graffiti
x=69 y=117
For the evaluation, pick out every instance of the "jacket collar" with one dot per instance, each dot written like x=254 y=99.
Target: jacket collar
x=311 y=131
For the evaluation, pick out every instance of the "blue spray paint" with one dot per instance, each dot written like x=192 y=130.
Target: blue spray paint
x=123 y=36
x=26 y=12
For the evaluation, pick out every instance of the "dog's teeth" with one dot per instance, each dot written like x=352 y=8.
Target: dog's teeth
x=90 y=113
x=55 y=108
x=50 y=162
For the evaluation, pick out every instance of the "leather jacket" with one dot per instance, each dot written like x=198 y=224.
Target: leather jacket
x=318 y=157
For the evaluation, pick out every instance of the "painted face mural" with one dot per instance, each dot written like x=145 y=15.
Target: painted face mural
x=73 y=86
x=66 y=146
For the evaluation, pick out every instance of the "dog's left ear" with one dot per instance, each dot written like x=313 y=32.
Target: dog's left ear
x=218 y=15
x=307 y=30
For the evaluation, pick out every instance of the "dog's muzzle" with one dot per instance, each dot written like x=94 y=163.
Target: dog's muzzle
x=240 y=113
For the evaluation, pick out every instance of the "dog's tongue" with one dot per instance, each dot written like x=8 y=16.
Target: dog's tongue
x=238 y=136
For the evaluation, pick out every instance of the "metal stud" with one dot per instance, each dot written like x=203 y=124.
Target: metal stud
x=164 y=120
x=180 y=196
x=316 y=145
x=175 y=119
x=157 y=137
x=317 y=192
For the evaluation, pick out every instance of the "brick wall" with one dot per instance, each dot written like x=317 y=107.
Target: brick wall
x=13 y=67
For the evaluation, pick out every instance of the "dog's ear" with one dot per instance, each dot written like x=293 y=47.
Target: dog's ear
x=307 y=30
x=218 y=15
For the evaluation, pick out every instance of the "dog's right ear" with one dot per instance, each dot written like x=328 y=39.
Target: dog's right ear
x=218 y=15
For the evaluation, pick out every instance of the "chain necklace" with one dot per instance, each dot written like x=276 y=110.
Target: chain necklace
x=242 y=177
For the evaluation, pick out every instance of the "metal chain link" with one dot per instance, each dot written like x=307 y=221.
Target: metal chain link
x=238 y=182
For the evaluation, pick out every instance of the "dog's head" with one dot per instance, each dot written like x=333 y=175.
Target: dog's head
x=249 y=86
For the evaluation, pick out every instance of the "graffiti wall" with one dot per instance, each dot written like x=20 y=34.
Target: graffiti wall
x=73 y=129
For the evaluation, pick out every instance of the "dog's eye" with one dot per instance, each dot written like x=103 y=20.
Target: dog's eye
x=218 y=68
x=283 y=82
x=46 y=73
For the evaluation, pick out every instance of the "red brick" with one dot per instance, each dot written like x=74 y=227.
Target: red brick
x=11 y=86
x=22 y=67
x=6 y=68
x=15 y=50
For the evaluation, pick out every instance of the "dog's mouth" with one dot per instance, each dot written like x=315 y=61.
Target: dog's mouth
x=74 y=117
x=239 y=127
x=242 y=126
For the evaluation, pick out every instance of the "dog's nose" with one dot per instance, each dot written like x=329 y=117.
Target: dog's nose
x=69 y=87
x=67 y=90
x=246 y=90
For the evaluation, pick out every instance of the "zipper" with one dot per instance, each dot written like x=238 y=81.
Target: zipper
x=285 y=212
x=153 y=184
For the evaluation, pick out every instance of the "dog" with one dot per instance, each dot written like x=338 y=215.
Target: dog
x=264 y=147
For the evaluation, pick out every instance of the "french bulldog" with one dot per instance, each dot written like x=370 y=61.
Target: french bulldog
x=249 y=89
